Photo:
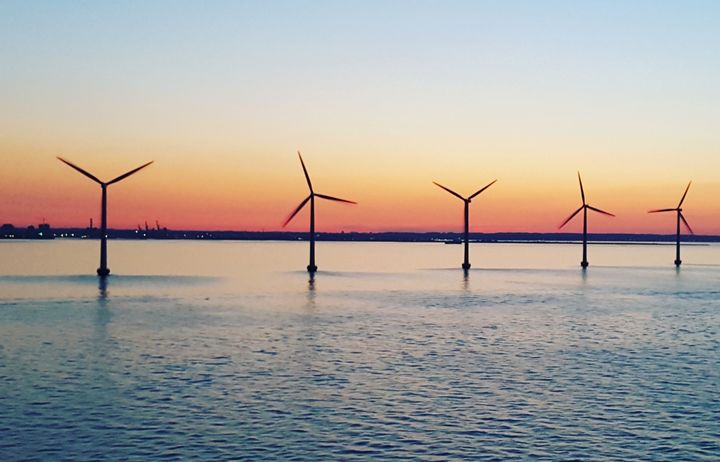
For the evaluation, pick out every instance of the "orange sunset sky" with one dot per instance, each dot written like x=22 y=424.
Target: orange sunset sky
x=382 y=98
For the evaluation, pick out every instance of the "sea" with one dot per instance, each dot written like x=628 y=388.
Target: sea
x=228 y=350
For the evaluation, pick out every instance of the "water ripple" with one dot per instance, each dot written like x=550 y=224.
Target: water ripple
x=562 y=370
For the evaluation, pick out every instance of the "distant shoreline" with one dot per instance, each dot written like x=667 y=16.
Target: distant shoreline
x=437 y=237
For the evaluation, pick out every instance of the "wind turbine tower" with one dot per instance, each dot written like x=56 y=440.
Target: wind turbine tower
x=103 y=270
x=680 y=217
x=311 y=267
x=584 y=207
x=466 y=200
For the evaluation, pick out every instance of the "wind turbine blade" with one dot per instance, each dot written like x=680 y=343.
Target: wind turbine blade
x=685 y=194
x=600 y=211
x=570 y=217
x=307 y=177
x=582 y=190
x=330 y=198
x=295 y=212
x=661 y=210
x=483 y=189
x=125 y=175
x=84 y=172
x=686 y=223
x=449 y=190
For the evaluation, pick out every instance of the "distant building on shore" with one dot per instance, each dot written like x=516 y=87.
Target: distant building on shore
x=43 y=231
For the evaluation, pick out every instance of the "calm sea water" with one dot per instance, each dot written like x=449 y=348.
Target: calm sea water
x=225 y=351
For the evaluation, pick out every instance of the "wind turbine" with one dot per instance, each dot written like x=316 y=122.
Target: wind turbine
x=680 y=218
x=103 y=270
x=466 y=200
x=584 y=207
x=311 y=267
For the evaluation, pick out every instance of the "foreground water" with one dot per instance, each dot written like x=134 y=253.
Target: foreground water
x=222 y=351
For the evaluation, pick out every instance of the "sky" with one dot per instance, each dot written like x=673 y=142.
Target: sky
x=381 y=97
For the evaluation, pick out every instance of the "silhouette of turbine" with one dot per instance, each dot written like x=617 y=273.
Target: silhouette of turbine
x=584 y=207
x=103 y=270
x=466 y=200
x=680 y=218
x=311 y=267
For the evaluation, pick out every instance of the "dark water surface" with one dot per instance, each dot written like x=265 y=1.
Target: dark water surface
x=222 y=351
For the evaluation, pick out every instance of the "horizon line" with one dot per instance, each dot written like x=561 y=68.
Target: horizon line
x=341 y=232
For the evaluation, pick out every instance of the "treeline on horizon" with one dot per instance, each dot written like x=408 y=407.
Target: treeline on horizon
x=381 y=236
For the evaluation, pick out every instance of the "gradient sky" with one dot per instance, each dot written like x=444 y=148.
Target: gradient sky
x=381 y=97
